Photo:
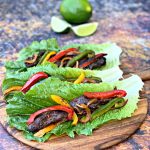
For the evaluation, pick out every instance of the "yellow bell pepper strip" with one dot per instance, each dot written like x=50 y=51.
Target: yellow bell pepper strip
x=80 y=78
x=43 y=131
x=60 y=101
x=75 y=119
x=42 y=58
x=48 y=56
x=14 y=88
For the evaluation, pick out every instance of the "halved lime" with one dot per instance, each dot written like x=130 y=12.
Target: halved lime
x=59 y=25
x=85 y=29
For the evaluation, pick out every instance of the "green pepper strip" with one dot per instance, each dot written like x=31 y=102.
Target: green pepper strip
x=42 y=58
x=103 y=109
x=97 y=79
x=72 y=62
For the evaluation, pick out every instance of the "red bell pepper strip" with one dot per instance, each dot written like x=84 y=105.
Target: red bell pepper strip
x=61 y=54
x=67 y=109
x=34 y=79
x=93 y=60
x=105 y=95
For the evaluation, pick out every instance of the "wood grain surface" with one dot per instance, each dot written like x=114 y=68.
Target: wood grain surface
x=107 y=135
x=126 y=23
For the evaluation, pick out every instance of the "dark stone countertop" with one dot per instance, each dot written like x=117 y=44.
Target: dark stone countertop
x=126 y=22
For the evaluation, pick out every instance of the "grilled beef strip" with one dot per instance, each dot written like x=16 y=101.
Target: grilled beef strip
x=46 y=119
x=100 y=62
x=84 y=100
x=40 y=54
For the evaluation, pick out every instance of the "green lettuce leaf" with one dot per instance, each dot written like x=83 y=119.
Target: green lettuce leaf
x=69 y=91
x=14 y=66
x=112 y=74
x=19 y=105
x=7 y=83
x=21 y=125
x=49 y=44
x=64 y=89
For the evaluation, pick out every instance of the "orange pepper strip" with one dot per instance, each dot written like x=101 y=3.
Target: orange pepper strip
x=32 y=60
x=62 y=61
x=43 y=131
x=60 y=101
x=14 y=88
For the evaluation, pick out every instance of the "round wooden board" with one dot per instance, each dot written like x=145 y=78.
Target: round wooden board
x=104 y=137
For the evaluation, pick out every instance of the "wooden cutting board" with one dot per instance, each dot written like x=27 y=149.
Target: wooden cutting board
x=107 y=135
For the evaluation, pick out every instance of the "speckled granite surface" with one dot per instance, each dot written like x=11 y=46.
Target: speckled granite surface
x=126 y=22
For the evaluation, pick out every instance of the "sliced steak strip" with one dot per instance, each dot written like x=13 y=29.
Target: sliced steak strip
x=40 y=54
x=46 y=119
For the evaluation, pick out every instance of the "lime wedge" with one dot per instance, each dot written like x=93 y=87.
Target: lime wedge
x=85 y=29
x=59 y=25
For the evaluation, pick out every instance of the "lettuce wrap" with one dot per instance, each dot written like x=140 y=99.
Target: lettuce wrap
x=111 y=49
x=19 y=79
x=21 y=106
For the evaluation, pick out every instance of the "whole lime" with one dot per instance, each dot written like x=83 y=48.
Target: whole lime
x=76 y=11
